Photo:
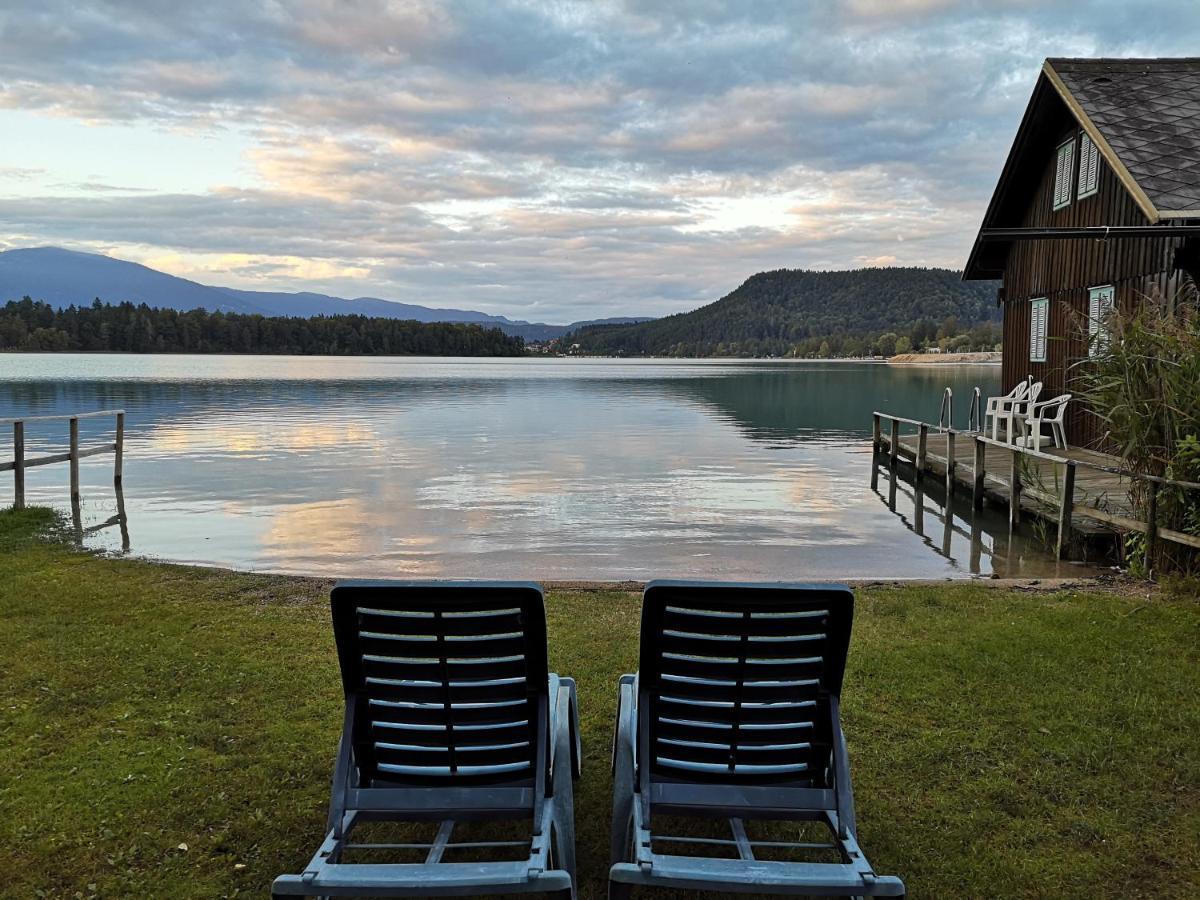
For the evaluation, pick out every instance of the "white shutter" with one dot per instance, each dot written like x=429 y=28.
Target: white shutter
x=1100 y=304
x=1039 y=314
x=1089 y=167
x=1064 y=164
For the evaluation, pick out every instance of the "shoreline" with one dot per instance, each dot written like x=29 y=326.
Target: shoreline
x=974 y=358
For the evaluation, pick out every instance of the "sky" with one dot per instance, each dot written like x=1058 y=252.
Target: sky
x=547 y=161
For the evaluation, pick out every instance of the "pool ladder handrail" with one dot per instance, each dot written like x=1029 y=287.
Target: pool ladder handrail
x=975 y=415
x=946 y=410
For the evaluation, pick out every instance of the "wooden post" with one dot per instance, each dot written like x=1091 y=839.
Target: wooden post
x=922 y=444
x=950 y=462
x=1151 y=526
x=119 y=456
x=876 y=436
x=895 y=447
x=18 y=465
x=1066 y=508
x=980 y=457
x=74 y=459
x=1014 y=490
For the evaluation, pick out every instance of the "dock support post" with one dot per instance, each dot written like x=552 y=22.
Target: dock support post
x=18 y=465
x=876 y=436
x=980 y=458
x=950 y=462
x=1014 y=490
x=74 y=459
x=1151 y=525
x=119 y=455
x=894 y=449
x=922 y=444
x=1066 y=507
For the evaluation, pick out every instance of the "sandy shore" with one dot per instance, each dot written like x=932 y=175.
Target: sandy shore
x=945 y=359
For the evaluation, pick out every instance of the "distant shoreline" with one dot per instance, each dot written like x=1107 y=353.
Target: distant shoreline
x=991 y=357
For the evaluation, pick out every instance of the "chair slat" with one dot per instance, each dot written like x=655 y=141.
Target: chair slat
x=484 y=647
x=733 y=648
x=461 y=625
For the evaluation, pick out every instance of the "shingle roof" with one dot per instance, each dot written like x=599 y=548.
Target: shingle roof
x=1149 y=112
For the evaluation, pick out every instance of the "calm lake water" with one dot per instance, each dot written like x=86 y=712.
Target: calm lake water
x=551 y=469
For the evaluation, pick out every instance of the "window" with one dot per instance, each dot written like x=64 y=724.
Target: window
x=1063 y=169
x=1039 y=315
x=1100 y=304
x=1089 y=167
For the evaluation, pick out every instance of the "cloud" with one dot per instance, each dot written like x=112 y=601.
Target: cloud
x=554 y=161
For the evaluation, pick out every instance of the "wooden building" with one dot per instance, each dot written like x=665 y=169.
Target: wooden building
x=1098 y=204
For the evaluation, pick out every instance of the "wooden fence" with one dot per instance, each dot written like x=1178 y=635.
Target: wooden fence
x=19 y=463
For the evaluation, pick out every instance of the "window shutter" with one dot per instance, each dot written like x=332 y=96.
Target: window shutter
x=1089 y=167
x=1062 y=174
x=1039 y=314
x=1100 y=304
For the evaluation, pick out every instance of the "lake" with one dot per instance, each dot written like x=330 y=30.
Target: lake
x=553 y=469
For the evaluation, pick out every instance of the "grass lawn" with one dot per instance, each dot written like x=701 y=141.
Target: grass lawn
x=169 y=731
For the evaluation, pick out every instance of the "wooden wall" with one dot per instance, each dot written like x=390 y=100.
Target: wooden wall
x=1063 y=271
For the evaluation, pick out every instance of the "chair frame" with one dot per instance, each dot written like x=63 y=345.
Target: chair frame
x=545 y=797
x=1035 y=419
x=638 y=793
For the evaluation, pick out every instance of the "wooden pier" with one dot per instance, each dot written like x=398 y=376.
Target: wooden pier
x=1082 y=492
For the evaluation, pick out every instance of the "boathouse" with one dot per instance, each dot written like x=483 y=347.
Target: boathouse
x=1098 y=204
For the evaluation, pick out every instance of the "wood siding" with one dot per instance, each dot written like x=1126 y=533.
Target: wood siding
x=1063 y=271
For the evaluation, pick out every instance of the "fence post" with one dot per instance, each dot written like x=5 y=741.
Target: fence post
x=876 y=438
x=18 y=465
x=980 y=462
x=1066 y=507
x=922 y=444
x=1014 y=490
x=119 y=455
x=950 y=462
x=74 y=459
x=895 y=444
x=1151 y=525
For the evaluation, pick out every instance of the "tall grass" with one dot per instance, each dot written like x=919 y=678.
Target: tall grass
x=1143 y=382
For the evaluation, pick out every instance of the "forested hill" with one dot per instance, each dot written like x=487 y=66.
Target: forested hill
x=32 y=325
x=795 y=311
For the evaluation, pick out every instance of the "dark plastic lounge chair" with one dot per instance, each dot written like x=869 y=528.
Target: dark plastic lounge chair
x=450 y=715
x=734 y=715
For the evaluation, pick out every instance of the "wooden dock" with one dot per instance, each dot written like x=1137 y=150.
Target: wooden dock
x=1082 y=492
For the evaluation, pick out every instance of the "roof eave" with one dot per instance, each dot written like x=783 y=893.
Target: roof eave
x=1123 y=174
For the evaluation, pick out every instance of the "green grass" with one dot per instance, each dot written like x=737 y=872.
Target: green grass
x=1004 y=743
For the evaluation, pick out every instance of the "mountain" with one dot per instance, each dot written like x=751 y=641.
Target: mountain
x=775 y=313
x=67 y=277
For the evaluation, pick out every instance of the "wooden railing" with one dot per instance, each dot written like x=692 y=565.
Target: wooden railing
x=1063 y=502
x=19 y=463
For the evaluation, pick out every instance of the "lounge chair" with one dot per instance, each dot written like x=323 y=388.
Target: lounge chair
x=450 y=715
x=1047 y=412
x=734 y=714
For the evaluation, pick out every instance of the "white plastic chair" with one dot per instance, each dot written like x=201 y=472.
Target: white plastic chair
x=1013 y=411
x=996 y=404
x=1048 y=412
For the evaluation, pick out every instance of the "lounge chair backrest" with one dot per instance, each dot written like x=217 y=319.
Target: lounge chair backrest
x=735 y=681
x=447 y=682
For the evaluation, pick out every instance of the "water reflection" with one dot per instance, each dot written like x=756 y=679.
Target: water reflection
x=119 y=520
x=574 y=469
x=950 y=527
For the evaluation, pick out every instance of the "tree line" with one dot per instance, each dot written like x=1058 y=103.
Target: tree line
x=127 y=328
x=802 y=313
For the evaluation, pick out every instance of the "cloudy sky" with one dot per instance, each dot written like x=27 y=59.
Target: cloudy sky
x=548 y=161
